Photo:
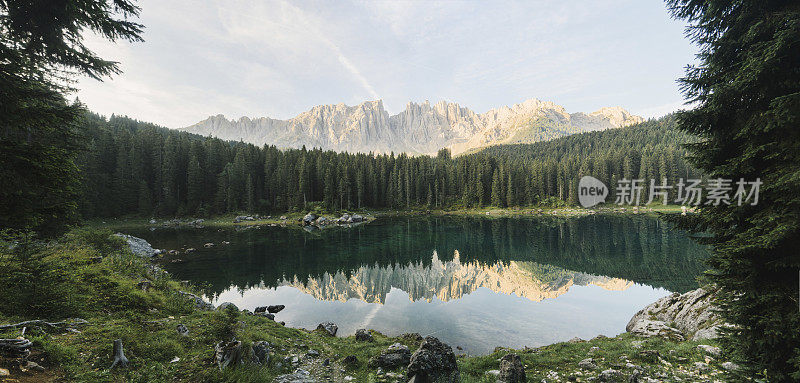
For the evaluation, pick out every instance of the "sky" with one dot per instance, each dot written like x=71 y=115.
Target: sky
x=280 y=58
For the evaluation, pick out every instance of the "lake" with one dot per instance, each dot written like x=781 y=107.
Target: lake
x=475 y=283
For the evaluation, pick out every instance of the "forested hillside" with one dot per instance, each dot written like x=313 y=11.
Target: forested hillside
x=135 y=167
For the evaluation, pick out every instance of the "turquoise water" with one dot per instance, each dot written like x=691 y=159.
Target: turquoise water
x=475 y=283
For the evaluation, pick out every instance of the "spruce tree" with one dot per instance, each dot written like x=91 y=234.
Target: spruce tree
x=747 y=91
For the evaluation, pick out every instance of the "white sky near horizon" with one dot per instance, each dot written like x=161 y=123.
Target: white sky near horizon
x=280 y=58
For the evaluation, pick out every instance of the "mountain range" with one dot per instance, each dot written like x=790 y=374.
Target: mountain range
x=422 y=128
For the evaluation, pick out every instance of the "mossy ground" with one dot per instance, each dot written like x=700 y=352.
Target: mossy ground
x=91 y=274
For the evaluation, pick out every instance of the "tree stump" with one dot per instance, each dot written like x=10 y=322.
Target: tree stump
x=119 y=355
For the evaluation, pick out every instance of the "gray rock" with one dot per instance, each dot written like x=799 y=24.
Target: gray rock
x=611 y=375
x=730 y=366
x=692 y=313
x=261 y=352
x=225 y=305
x=274 y=309
x=357 y=218
x=199 y=303
x=714 y=351
x=701 y=366
x=434 y=361
x=228 y=354
x=181 y=329
x=511 y=369
x=652 y=328
x=312 y=353
x=329 y=328
x=298 y=376
x=345 y=218
x=587 y=364
x=575 y=340
x=138 y=246
x=396 y=355
x=362 y=335
x=309 y=218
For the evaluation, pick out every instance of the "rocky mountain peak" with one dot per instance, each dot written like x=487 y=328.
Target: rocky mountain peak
x=421 y=128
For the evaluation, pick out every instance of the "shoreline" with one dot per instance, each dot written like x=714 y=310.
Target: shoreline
x=294 y=218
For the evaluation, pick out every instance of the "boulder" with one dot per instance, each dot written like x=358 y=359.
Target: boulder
x=692 y=313
x=309 y=218
x=260 y=309
x=328 y=327
x=321 y=221
x=511 y=369
x=225 y=305
x=653 y=328
x=362 y=335
x=611 y=375
x=395 y=356
x=274 y=309
x=357 y=218
x=434 y=361
x=138 y=246
x=181 y=329
x=345 y=218
x=208 y=245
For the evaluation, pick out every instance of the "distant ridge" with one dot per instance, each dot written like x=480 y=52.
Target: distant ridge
x=422 y=128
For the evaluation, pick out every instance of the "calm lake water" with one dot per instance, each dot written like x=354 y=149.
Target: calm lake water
x=473 y=282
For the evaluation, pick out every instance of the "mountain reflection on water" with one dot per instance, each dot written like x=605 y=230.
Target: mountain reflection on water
x=474 y=282
x=450 y=280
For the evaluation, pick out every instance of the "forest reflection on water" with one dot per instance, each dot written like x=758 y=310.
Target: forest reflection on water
x=475 y=282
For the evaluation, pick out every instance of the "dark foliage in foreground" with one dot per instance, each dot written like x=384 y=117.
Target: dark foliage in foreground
x=747 y=87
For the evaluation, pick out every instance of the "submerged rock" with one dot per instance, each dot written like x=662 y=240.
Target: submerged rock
x=434 y=361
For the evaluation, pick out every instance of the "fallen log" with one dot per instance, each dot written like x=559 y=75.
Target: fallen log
x=15 y=348
x=41 y=323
